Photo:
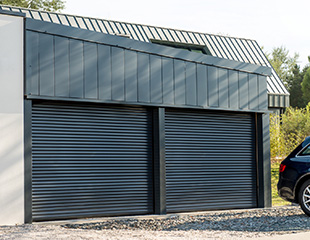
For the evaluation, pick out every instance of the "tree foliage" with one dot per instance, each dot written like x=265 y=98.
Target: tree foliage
x=282 y=63
x=294 y=87
x=305 y=86
x=288 y=130
x=292 y=76
x=47 y=5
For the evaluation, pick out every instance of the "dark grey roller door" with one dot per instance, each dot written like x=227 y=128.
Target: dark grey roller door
x=210 y=160
x=90 y=161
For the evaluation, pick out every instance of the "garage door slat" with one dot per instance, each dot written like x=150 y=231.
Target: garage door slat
x=210 y=160
x=90 y=160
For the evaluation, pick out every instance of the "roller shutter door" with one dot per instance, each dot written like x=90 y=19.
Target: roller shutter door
x=90 y=161
x=210 y=159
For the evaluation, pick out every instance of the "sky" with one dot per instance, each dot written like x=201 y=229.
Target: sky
x=271 y=23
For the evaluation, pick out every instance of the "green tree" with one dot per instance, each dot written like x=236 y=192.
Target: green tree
x=282 y=63
x=305 y=86
x=47 y=5
x=294 y=87
x=288 y=130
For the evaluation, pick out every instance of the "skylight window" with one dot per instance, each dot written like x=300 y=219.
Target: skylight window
x=184 y=46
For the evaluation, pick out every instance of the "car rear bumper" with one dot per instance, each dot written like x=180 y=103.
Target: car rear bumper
x=286 y=189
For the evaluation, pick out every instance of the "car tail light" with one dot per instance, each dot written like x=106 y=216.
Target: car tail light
x=282 y=168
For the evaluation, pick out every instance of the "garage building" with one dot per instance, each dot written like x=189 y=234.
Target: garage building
x=100 y=125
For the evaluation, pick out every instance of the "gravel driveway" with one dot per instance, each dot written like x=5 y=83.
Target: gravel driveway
x=234 y=224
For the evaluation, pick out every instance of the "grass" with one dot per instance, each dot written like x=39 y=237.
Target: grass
x=276 y=200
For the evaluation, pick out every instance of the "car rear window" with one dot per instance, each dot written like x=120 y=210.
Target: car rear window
x=305 y=151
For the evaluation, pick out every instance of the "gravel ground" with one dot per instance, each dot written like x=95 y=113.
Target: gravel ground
x=234 y=224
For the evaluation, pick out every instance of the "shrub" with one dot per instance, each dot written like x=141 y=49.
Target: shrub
x=288 y=130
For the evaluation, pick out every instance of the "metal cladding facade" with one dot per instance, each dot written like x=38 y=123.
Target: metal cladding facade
x=237 y=49
x=115 y=126
x=68 y=63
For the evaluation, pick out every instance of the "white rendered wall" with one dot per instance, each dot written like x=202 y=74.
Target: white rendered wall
x=11 y=121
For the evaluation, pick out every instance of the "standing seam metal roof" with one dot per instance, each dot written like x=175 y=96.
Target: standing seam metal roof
x=238 y=49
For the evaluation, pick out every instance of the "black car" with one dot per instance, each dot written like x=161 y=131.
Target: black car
x=294 y=177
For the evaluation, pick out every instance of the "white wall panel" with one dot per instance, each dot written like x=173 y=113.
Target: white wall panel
x=11 y=121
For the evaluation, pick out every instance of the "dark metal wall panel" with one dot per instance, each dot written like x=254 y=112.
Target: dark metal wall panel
x=131 y=76
x=281 y=98
x=213 y=87
x=286 y=100
x=143 y=78
x=223 y=88
x=233 y=89
x=191 y=84
x=32 y=63
x=271 y=100
x=202 y=85
x=104 y=72
x=91 y=71
x=168 y=84
x=265 y=160
x=62 y=74
x=262 y=94
x=243 y=91
x=179 y=83
x=46 y=62
x=76 y=67
x=263 y=156
x=156 y=79
x=253 y=91
x=210 y=161
x=67 y=68
x=118 y=73
x=278 y=101
x=90 y=160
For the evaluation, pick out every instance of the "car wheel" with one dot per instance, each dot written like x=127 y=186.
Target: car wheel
x=304 y=197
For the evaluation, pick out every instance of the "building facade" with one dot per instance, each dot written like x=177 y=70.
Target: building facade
x=96 y=124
